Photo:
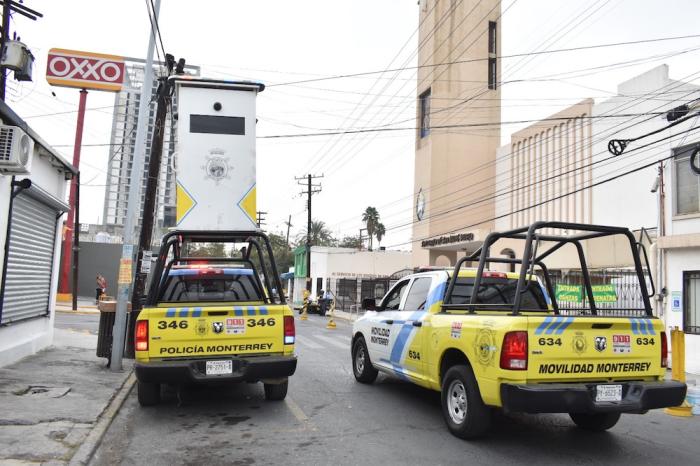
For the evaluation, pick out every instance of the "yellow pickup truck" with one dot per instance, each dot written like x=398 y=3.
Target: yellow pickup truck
x=214 y=319
x=511 y=345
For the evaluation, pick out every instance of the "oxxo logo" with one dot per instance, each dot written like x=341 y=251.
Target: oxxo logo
x=86 y=70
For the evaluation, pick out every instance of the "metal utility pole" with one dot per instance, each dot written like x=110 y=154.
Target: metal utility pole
x=310 y=190
x=289 y=225
x=261 y=218
x=133 y=206
x=149 y=202
x=76 y=241
x=5 y=37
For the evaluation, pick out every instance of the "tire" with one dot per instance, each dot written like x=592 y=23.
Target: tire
x=276 y=392
x=464 y=411
x=595 y=422
x=148 y=393
x=362 y=367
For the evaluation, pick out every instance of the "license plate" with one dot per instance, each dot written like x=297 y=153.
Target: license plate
x=608 y=393
x=219 y=367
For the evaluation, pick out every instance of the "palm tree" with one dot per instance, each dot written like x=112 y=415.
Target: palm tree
x=371 y=218
x=380 y=231
x=320 y=234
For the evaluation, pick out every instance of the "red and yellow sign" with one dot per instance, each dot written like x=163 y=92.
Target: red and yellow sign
x=85 y=70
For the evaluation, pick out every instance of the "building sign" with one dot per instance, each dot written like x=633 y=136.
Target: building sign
x=676 y=301
x=85 y=70
x=358 y=275
x=568 y=293
x=604 y=293
x=459 y=238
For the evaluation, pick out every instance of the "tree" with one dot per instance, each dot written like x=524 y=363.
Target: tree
x=350 y=242
x=284 y=257
x=206 y=250
x=371 y=218
x=380 y=231
x=320 y=235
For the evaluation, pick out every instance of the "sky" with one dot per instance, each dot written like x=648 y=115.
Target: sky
x=278 y=42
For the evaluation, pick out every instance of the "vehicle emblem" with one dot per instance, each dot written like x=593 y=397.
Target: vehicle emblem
x=218 y=327
x=601 y=343
x=579 y=344
x=202 y=328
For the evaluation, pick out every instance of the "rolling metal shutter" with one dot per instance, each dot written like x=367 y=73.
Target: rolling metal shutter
x=30 y=258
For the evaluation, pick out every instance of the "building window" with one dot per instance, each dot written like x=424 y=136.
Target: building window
x=691 y=302
x=687 y=183
x=493 y=75
x=425 y=113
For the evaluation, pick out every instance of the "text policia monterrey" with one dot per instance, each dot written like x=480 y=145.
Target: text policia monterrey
x=601 y=368
x=216 y=348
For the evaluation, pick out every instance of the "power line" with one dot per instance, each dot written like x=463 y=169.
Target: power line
x=516 y=55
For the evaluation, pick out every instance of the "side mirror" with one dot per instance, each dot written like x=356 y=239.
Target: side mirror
x=369 y=304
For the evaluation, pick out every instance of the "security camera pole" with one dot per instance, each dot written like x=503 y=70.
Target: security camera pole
x=133 y=208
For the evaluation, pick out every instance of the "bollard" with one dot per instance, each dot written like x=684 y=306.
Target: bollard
x=678 y=371
x=331 y=322
x=305 y=306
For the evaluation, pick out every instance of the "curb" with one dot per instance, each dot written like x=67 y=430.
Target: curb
x=79 y=312
x=94 y=438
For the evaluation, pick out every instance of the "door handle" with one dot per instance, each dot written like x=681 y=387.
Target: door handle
x=417 y=323
x=389 y=321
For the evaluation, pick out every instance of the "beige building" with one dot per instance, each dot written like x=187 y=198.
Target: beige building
x=456 y=141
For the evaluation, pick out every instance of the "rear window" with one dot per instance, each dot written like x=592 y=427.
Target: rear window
x=217 y=285
x=495 y=291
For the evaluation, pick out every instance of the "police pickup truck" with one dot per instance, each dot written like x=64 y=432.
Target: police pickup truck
x=490 y=339
x=214 y=319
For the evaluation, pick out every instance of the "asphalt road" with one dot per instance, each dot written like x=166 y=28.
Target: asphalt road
x=328 y=418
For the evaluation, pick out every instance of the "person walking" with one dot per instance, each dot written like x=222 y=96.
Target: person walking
x=101 y=287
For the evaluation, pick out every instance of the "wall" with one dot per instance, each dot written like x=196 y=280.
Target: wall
x=27 y=337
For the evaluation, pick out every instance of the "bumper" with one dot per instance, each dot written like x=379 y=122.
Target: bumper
x=580 y=398
x=250 y=369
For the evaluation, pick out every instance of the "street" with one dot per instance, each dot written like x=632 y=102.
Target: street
x=77 y=322
x=328 y=417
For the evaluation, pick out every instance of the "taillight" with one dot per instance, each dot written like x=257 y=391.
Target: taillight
x=514 y=351
x=664 y=350
x=494 y=274
x=289 y=331
x=141 y=335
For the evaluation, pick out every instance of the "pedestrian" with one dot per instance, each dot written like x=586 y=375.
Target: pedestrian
x=101 y=288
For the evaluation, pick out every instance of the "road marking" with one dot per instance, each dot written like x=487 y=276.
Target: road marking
x=333 y=342
x=307 y=342
x=295 y=409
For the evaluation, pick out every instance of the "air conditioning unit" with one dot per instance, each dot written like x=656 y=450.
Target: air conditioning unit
x=16 y=149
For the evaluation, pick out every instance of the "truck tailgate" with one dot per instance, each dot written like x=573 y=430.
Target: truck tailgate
x=215 y=330
x=568 y=348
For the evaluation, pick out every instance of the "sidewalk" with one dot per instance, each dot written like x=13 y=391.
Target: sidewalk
x=58 y=403
x=85 y=305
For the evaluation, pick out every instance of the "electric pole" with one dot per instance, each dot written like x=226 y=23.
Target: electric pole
x=289 y=225
x=310 y=190
x=261 y=218
x=133 y=207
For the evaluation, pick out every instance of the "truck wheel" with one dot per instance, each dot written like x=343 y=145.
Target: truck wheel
x=464 y=411
x=148 y=393
x=595 y=422
x=361 y=365
x=276 y=392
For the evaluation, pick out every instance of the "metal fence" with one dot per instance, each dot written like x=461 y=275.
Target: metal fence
x=623 y=295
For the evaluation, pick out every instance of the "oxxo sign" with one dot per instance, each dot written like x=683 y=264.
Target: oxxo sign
x=85 y=70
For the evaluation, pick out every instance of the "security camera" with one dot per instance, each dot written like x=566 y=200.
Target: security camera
x=655 y=185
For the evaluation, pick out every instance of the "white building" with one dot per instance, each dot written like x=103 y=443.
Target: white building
x=679 y=248
x=560 y=169
x=30 y=235
x=350 y=274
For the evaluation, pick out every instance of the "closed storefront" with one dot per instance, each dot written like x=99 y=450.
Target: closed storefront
x=30 y=258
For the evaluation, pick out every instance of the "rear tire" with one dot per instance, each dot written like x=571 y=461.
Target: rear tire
x=148 y=393
x=464 y=411
x=595 y=422
x=276 y=392
x=362 y=367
